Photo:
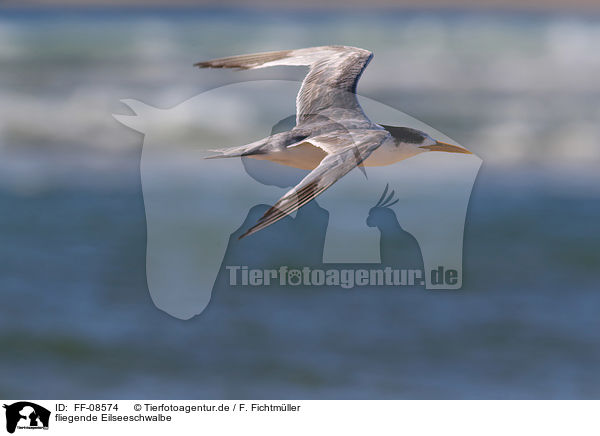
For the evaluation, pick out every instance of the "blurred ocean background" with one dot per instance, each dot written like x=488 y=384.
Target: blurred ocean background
x=521 y=90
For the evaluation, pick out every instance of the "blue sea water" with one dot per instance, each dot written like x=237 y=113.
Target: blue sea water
x=75 y=313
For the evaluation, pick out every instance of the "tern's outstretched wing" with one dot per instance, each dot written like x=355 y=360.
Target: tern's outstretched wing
x=359 y=145
x=330 y=83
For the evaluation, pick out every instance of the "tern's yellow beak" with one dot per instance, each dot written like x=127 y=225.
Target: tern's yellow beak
x=449 y=148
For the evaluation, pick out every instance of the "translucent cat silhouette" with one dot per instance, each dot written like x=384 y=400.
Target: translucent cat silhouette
x=192 y=205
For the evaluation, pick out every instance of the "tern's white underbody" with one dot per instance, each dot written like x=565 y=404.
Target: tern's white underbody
x=307 y=157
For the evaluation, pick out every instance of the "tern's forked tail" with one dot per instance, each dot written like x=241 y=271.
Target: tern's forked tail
x=270 y=144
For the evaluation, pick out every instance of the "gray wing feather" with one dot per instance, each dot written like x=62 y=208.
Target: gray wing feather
x=332 y=168
x=330 y=83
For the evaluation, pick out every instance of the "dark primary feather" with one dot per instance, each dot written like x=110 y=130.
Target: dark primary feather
x=245 y=62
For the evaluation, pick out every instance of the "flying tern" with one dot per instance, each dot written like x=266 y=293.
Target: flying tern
x=332 y=135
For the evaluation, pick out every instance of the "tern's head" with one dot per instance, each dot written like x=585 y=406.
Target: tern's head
x=417 y=138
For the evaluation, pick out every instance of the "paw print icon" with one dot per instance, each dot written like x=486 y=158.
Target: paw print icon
x=294 y=277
